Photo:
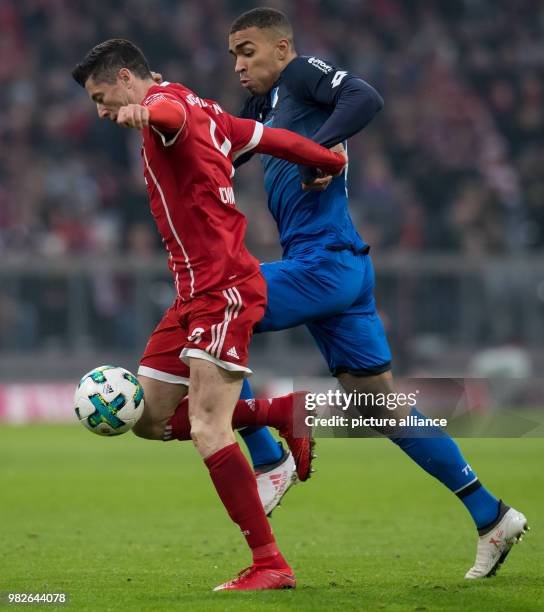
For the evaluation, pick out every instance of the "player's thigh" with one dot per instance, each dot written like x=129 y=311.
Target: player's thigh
x=354 y=341
x=221 y=325
x=163 y=375
x=213 y=393
x=161 y=359
x=299 y=291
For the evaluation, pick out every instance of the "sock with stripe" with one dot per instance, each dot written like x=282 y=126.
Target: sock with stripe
x=436 y=452
x=261 y=444
x=236 y=486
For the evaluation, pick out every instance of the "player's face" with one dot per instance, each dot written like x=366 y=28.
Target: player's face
x=108 y=97
x=258 y=58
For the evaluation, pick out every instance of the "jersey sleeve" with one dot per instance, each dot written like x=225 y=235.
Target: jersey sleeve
x=245 y=135
x=352 y=101
x=164 y=122
x=314 y=80
x=255 y=107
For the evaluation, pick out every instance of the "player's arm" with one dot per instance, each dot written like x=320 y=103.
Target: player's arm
x=164 y=114
x=254 y=108
x=354 y=103
x=300 y=150
x=252 y=136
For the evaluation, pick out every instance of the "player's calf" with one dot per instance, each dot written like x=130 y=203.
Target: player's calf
x=161 y=400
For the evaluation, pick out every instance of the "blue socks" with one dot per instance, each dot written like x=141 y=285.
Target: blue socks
x=440 y=456
x=261 y=444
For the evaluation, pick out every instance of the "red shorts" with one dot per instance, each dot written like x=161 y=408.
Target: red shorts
x=216 y=326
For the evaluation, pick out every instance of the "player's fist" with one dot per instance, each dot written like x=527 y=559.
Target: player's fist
x=339 y=149
x=133 y=116
x=314 y=179
x=157 y=77
x=319 y=183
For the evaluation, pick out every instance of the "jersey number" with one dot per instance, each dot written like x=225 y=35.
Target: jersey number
x=226 y=146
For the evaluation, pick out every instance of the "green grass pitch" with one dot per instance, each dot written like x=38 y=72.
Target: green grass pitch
x=127 y=524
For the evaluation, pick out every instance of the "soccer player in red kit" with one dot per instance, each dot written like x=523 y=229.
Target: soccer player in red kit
x=188 y=148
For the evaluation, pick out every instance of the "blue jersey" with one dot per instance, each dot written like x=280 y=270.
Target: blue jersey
x=302 y=100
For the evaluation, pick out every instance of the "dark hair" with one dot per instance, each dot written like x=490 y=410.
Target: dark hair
x=106 y=59
x=262 y=18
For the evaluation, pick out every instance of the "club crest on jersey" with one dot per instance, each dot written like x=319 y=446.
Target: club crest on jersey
x=196 y=335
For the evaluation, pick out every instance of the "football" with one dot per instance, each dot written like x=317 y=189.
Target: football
x=109 y=400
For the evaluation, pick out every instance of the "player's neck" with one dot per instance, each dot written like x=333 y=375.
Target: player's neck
x=141 y=89
x=288 y=59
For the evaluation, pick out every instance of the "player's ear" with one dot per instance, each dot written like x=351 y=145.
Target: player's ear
x=125 y=77
x=282 y=49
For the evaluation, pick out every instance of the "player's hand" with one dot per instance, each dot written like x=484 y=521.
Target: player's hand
x=339 y=148
x=133 y=116
x=319 y=183
x=157 y=77
x=314 y=180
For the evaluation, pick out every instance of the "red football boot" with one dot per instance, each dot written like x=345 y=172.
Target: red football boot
x=256 y=578
x=299 y=436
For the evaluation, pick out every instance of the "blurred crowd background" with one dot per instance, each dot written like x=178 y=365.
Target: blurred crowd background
x=451 y=166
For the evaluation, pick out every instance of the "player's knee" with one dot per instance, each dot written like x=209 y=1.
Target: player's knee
x=376 y=398
x=208 y=436
x=148 y=430
x=202 y=433
x=149 y=426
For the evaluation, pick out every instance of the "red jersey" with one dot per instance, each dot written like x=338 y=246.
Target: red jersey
x=189 y=181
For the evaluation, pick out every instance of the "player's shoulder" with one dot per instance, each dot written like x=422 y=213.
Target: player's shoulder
x=165 y=91
x=311 y=78
x=306 y=66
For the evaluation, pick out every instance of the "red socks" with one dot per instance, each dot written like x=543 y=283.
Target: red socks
x=236 y=485
x=275 y=412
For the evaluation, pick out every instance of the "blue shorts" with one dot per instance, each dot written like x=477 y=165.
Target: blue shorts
x=332 y=293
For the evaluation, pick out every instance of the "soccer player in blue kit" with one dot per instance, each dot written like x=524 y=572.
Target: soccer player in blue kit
x=325 y=278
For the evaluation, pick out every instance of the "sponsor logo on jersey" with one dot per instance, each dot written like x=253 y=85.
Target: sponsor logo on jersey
x=320 y=64
x=227 y=195
x=196 y=335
